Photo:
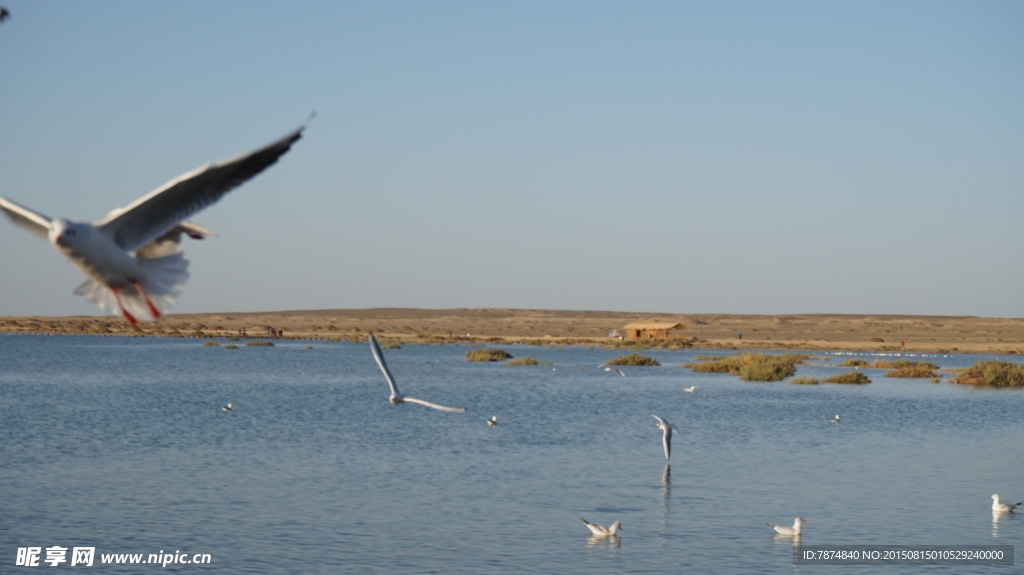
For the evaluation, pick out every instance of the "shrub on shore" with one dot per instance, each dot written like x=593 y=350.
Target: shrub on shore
x=992 y=374
x=848 y=377
x=487 y=354
x=633 y=359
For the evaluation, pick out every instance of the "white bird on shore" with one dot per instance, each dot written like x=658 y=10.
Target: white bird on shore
x=793 y=531
x=227 y=408
x=835 y=419
x=131 y=256
x=1003 y=507
x=396 y=396
x=599 y=531
x=667 y=429
x=690 y=389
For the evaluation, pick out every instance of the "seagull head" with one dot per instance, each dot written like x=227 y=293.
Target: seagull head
x=63 y=233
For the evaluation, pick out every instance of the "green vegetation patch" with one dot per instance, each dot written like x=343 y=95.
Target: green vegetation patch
x=992 y=374
x=855 y=377
x=633 y=359
x=487 y=354
x=524 y=361
x=750 y=366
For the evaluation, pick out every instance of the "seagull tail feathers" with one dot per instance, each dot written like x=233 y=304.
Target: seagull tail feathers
x=163 y=281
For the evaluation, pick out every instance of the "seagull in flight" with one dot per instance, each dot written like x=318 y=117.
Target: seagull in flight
x=599 y=531
x=667 y=430
x=131 y=257
x=396 y=396
x=1003 y=507
x=793 y=531
x=609 y=369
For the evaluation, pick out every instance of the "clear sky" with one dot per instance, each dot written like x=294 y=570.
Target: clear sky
x=682 y=157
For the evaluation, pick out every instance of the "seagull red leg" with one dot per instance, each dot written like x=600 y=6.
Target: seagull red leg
x=131 y=319
x=149 y=305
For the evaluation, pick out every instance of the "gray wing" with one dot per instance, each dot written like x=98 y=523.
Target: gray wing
x=377 y=355
x=152 y=215
x=31 y=220
x=167 y=244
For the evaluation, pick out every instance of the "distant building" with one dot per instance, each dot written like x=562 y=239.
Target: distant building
x=655 y=330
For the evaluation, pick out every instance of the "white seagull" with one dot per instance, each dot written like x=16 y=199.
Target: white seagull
x=1003 y=507
x=226 y=408
x=667 y=430
x=793 y=531
x=835 y=419
x=616 y=370
x=131 y=256
x=396 y=396
x=492 y=421
x=690 y=389
x=599 y=531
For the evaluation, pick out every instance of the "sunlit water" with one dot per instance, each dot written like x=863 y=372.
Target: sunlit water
x=120 y=443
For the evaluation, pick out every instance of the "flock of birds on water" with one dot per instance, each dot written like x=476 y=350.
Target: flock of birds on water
x=133 y=265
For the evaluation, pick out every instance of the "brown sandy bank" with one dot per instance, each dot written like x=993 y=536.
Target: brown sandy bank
x=799 y=331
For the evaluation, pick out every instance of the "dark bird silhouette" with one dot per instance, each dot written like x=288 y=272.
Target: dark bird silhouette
x=4 y=13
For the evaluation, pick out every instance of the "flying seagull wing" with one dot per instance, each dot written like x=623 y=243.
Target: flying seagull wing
x=149 y=217
x=377 y=355
x=32 y=221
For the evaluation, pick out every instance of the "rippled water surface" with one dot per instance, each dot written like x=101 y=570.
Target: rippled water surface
x=120 y=444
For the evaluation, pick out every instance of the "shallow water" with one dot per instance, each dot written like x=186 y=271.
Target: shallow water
x=120 y=444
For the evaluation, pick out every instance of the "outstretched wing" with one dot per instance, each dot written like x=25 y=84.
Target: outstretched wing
x=436 y=406
x=32 y=221
x=152 y=215
x=377 y=355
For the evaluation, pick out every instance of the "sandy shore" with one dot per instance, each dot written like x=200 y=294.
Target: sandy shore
x=804 y=331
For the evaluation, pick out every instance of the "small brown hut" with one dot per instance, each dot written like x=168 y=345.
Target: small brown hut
x=655 y=330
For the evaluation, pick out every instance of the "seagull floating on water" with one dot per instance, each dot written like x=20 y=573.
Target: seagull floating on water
x=835 y=419
x=396 y=396
x=226 y=408
x=493 y=421
x=131 y=257
x=793 y=531
x=666 y=437
x=599 y=531
x=1003 y=507
x=690 y=389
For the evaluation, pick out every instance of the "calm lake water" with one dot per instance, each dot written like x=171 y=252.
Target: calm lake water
x=120 y=444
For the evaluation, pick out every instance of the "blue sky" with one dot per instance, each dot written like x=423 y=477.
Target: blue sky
x=680 y=157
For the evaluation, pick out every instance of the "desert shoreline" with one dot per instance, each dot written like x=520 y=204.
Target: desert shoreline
x=840 y=332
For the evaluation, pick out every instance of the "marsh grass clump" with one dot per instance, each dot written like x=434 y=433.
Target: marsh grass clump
x=922 y=371
x=487 y=354
x=848 y=377
x=230 y=346
x=260 y=344
x=853 y=363
x=803 y=380
x=750 y=366
x=524 y=361
x=210 y=343
x=633 y=359
x=901 y=364
x=992 y=374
